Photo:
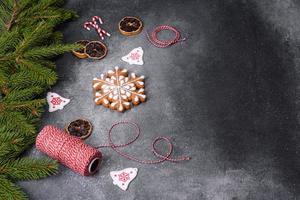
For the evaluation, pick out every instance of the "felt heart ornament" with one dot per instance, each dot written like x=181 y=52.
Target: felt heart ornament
x=56 y=102
x=123 y=177
x=134 y=57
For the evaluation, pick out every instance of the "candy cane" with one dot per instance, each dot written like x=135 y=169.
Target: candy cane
x=93 y=24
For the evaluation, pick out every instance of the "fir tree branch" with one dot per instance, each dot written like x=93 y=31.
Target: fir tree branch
x=17 y=121
x=49 y=51
x=14 y=14
x=23 y=94
x=10 y=191
x=30 y=168
x=22 y=105
x=38 y=71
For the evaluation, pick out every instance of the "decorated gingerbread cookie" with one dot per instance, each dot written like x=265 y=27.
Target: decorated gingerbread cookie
x=134 y=57
x=118 y=90
x=123 y=177
x=56 y=102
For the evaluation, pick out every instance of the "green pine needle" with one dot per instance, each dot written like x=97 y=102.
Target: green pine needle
x=10 y=191
x=29 y=168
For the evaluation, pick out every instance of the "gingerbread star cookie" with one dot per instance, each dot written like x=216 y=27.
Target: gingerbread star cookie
x=119 y=91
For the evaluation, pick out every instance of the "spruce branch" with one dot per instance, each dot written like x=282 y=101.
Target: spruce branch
x=10 y=191
x=23 y=94
x=22 y=105
x=49 y=51
x=17 y=121
x=14 y=14
x=29 y=168
x=27 y=41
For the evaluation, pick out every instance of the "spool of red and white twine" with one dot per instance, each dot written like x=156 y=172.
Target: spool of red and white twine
x=85 y=160
x=153 y=38
x=93 y=24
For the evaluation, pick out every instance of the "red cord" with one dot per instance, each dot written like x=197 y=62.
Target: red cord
x=153 y=38
x=161 y=157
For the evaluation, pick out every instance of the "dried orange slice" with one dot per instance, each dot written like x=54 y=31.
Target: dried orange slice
x=80 y=53
x=130 y=26
x=95 y=50
x=80 y=128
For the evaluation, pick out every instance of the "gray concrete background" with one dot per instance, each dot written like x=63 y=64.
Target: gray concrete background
x=227 y=96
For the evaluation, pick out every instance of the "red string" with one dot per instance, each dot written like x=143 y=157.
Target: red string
x=153 y=38
x=161 y=157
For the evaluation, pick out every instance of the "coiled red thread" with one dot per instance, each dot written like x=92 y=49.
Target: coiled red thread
x=162 y=158
x=153 y=38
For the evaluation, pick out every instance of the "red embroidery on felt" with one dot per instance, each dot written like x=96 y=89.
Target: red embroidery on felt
x=135 y=56
x=124 y=177
x=56 y=101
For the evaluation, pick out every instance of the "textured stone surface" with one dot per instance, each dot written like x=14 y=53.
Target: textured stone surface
x=227 y=95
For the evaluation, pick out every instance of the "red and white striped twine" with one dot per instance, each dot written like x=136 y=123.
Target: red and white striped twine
x=161 y=157
x=93 y=24
x=153 y=38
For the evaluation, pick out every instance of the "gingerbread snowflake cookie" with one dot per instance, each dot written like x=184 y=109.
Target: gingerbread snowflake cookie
x=118 y=90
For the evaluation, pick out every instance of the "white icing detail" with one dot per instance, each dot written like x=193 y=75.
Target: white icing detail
x=126 y=103
x=136 y=99
x=121 y=108
x=105 y=101
x=140 y=82
x=95 y=85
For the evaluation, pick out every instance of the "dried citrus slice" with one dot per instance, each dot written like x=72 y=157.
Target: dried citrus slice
x=80 y=53
x=130 y=26
x=95 y=50
x=80 y=128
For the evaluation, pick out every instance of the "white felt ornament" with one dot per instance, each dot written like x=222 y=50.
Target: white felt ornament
x=134 y=57
x=56 y=102
x=123 y=177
